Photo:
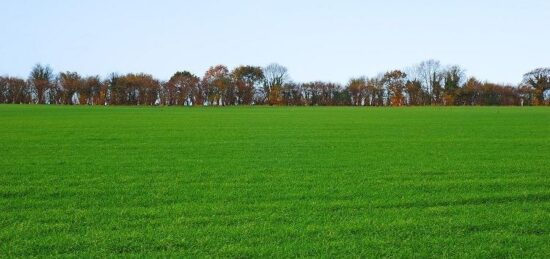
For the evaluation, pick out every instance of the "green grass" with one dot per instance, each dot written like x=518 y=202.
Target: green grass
x=274 y=181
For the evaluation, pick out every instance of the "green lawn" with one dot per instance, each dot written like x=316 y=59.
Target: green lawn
x=274 y=181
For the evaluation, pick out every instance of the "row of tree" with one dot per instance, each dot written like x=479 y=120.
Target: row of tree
x=428 y=83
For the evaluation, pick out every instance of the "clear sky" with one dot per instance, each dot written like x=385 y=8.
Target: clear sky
x=317 y=40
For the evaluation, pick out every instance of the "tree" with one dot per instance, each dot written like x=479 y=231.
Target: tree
x=139 y=89
x=92 y=91
x=171 y=91
x=539 y=80
x=320 y=93
x=415 y=93
x=376 y=91
x=218 y=86
x=293 y=94
x=14 y=90
x=247 y=79
x=149 y=89
x=470 y=93
x=312 y=93
x=181 y=87
x=330 y=93
x=429 y=73
x=69 y=84
x=115 y=92
x=129 y=89
x=428 y=84
x=41 y=80
x=3 y=90
x=394 y=81
x=453 y=77
x=357 y=88
x=526 y=95
x=275 y=76
x=132 y=89
x=342 y=97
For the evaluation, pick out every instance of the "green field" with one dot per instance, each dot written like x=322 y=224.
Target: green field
x=274 y=181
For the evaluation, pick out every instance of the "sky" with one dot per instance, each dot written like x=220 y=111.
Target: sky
x=333 y=41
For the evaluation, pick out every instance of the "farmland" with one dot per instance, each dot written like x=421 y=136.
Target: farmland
x=274 y=181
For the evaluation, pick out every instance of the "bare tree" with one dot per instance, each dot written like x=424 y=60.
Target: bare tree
x=430 y=74
x=41 y=81
x=293 y=94
x=275 y=76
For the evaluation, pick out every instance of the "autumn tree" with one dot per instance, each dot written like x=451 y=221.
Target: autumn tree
x=377 y=91
x=357 y=88
x=69 y=84
x=429 y=83
x=181 y=87
x=218 y=86
x=539 y=80
x=414 y=92
x=149 y=90
x=129 y=89
x=20 y=89
x=469 y=94
x=92 y=91
x=247 y=79
x=133 y=89
x=140 y=89
x=199 y=94
x=395 y=83
x=14 y=90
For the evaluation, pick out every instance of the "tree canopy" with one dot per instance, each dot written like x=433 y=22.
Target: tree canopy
x=427 y=83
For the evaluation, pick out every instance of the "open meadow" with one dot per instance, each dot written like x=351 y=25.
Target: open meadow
x=274 y=181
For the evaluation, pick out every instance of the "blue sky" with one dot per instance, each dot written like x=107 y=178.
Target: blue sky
x=316 y=40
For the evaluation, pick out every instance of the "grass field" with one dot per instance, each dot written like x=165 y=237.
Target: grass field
x=274 y=181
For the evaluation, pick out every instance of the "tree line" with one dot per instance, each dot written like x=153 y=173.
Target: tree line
x=427 y=83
